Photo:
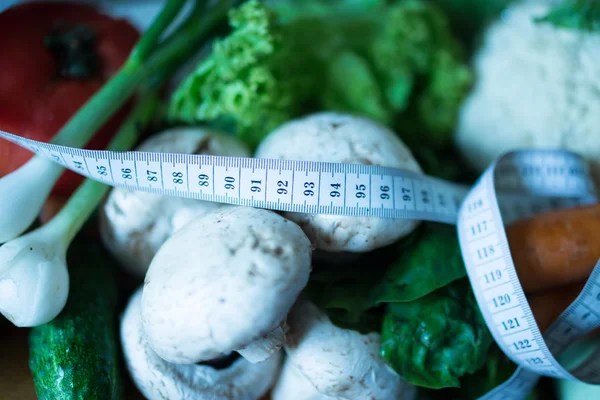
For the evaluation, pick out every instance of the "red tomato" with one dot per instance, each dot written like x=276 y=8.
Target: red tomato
x=36 y=97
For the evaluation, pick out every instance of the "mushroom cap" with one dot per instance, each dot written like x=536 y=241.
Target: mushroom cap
x=342 y=138
x=134 y=224
x=159 y=379
x=292 y=385
x=223 y=281
x=538 y=87
x=340 y=362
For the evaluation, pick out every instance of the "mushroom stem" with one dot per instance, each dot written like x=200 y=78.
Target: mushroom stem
x=265 y=346
x=34 y=281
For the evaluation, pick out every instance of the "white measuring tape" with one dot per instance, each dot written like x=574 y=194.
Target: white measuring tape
x=518 y=184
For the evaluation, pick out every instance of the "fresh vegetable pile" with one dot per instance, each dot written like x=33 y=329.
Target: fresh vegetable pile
x=186 y=299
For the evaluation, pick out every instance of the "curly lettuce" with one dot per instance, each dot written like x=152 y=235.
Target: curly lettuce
x=251 y=82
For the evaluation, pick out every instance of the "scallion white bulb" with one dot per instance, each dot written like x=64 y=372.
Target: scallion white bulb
x=23 y=193
x=34 y=281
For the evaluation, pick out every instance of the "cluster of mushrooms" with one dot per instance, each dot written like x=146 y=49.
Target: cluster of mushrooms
x=221 y=314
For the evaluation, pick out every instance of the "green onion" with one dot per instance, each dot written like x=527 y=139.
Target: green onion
x=34 y=280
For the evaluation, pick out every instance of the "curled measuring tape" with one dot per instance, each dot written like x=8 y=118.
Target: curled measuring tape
x=517 y=185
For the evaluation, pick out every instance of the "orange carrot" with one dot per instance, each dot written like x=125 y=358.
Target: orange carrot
x=555 y=248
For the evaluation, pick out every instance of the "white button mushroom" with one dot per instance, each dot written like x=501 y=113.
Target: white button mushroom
x=159 y=379
x=340 y=363
x=223 y=282
x=333 y=137
x=538 y=87
x=135 y=224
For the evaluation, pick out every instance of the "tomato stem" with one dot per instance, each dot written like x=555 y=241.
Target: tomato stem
x=75 y=51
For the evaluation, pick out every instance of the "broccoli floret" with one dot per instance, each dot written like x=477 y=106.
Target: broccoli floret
x=423 y=71
x=395 y=62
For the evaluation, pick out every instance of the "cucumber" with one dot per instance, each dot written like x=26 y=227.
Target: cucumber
x=76 y=356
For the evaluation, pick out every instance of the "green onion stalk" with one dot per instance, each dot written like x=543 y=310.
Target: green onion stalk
x=25 y=190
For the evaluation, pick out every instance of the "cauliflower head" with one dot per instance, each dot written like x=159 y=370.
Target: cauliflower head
x=538 y=86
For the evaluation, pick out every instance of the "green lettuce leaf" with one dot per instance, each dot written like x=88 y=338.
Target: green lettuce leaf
x=434 y=341
x=497 y=369
x=428 y=259
x=433 y=262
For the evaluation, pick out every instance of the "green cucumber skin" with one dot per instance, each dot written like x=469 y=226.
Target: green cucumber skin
x=76 y=356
